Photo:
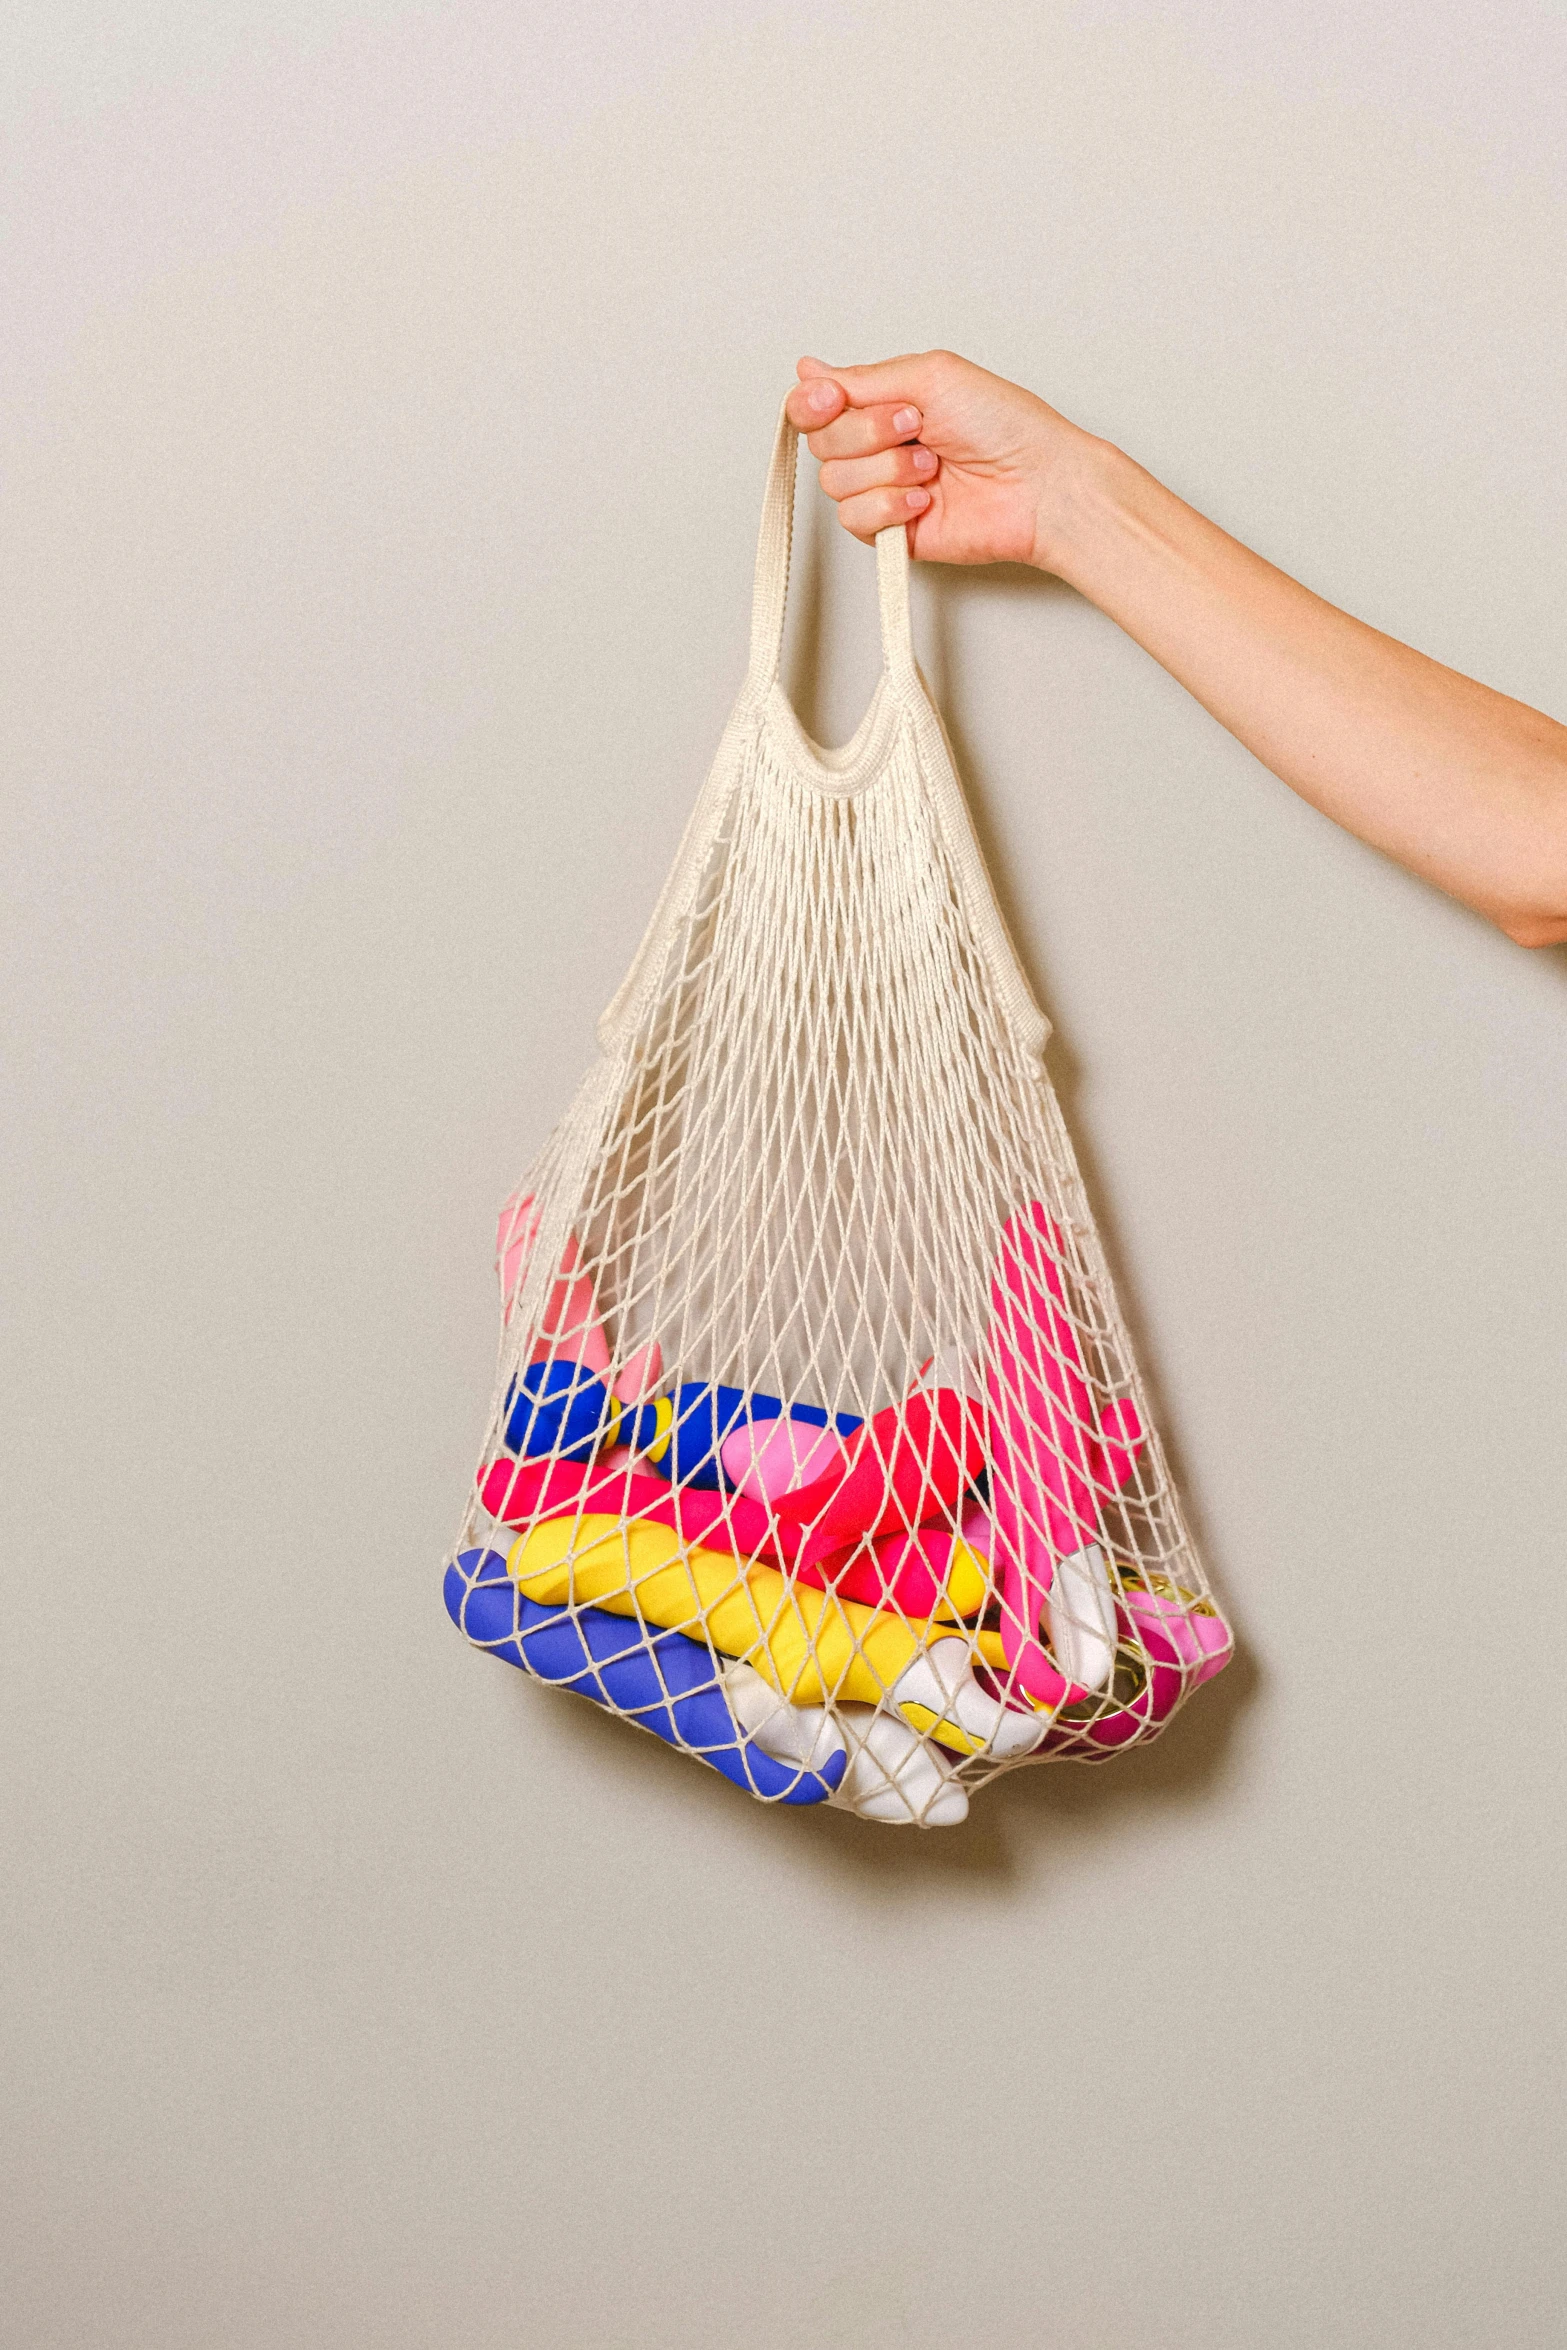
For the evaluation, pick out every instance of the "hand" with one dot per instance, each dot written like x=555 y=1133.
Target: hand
x=1455 y=781
x=973 y=464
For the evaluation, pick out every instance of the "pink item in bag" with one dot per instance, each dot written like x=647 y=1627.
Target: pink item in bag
x=569 y=1328
x=907 y=1467
x=517 y=1492
x=641 y=1374
x=1201 y=1641
x=1049 y=1450
x=769 y=1458
x=515 y=1235
x=915 y=1573
x=907 y=1572
x=1185 y=1643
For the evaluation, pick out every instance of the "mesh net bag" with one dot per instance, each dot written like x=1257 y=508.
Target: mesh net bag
x=817 y=1447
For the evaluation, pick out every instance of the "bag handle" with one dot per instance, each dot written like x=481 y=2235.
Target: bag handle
x=772 y=575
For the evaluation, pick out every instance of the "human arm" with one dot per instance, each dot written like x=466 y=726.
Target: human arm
x=1457 y=782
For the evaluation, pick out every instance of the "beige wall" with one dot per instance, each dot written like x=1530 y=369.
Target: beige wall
x=390 y=393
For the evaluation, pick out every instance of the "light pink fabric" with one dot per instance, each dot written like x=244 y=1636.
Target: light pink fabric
x=767 y=1458
x=569 y=1327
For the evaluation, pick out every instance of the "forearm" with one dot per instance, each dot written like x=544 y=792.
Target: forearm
x=1459 y=783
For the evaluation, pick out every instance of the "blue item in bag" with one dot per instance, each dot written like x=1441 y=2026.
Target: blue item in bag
x=668 y=1683
x=706 y=1416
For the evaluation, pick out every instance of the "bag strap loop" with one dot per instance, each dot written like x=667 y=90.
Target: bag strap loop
x=772 y=575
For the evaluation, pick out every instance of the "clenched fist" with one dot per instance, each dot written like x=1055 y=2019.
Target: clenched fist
x=973 y=464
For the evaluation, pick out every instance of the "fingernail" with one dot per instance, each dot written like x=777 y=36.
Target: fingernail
x=916 y=500
x=924 y=460
x=905 y=419
x=822 y=396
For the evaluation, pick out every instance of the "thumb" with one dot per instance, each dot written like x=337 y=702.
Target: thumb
x=907 y=378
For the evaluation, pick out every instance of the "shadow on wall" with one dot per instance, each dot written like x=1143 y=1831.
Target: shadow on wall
x=1018 y=1824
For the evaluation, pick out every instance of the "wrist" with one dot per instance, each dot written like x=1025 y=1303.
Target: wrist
x=1075 y=495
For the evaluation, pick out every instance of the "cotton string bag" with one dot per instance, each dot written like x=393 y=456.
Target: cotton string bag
x=817 y=1446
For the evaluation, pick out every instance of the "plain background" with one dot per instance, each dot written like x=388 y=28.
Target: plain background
x=389 y=391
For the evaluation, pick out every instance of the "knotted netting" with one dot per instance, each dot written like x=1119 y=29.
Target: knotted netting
x=817 y=1445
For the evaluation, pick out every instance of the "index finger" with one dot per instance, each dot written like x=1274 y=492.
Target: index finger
x=834 y=429
x=866 y=432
